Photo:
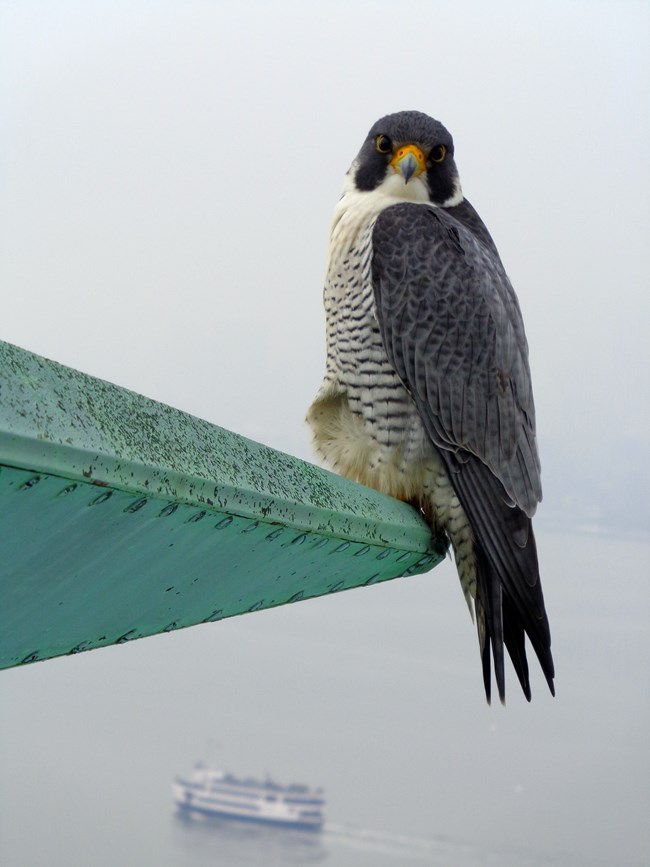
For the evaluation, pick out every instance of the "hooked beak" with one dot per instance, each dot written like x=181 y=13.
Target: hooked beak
x=408 y=161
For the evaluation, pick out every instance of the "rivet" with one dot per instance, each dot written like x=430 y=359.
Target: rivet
x=216 y=615
x=297 y=596
x=321 y=542
x=101 y=498
x=386 y=553
x=405 y=556
x=171 y=626
x=336 y=587
x=67 y=490
x=274 y=534
x=83 y=645
x=31 y=657
x=225 y=522
x=29 y=483
x=126 y=637
x=372 y=579
x=196 y=517
x=299 y=539
x=168 y=510
x=251 y=527
x=136 y=505
x=362 y=551
x=257 y=605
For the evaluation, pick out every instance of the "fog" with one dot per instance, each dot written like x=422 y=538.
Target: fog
x=167 y=176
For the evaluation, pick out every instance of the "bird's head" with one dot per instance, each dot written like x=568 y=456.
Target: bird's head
x=408 y=155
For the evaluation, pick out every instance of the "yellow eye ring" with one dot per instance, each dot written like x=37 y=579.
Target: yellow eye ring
x=383 y=144
x=438 y=153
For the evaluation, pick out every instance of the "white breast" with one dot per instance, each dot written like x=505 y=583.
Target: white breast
x=365 y=423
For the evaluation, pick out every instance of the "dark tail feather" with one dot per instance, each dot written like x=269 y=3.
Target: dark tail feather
x=509 y=594
x=514 y=637
x=498 y=624
x=484 y=644
x=490 y=601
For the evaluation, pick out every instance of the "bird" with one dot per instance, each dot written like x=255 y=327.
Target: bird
x=427 y=393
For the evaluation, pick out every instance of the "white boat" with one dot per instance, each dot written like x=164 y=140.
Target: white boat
x=211 y=792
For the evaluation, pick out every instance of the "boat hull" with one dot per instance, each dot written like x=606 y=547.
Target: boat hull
x=211 y=813
x=191 y=800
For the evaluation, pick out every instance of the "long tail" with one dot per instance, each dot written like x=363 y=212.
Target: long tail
x=509 y=600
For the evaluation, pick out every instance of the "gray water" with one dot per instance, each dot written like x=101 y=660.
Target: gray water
x=374 y=694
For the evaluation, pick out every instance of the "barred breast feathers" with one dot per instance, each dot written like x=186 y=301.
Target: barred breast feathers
x=385 y=447
x=392 y=460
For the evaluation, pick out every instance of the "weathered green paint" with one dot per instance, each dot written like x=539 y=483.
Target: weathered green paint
x=122 y=517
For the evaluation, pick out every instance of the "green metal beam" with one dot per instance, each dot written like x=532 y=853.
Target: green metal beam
x=122 y=517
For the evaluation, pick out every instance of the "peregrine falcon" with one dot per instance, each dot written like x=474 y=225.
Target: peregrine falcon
x=427 y=393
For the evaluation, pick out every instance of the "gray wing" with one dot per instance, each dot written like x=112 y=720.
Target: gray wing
x=453 y=331
x=452 y=327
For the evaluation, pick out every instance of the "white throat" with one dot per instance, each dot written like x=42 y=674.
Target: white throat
x=357 y=209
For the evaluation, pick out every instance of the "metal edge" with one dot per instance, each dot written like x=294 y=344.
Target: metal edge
x=38 y=402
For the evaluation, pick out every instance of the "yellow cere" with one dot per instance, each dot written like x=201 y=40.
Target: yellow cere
x=402 y=151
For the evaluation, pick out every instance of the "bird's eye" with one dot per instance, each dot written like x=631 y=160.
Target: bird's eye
x=438 y=153
x=383 y=144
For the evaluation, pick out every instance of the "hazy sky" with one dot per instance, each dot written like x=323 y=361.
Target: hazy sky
x=168 y=172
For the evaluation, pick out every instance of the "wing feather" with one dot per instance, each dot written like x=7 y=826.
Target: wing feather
x=453 y=331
